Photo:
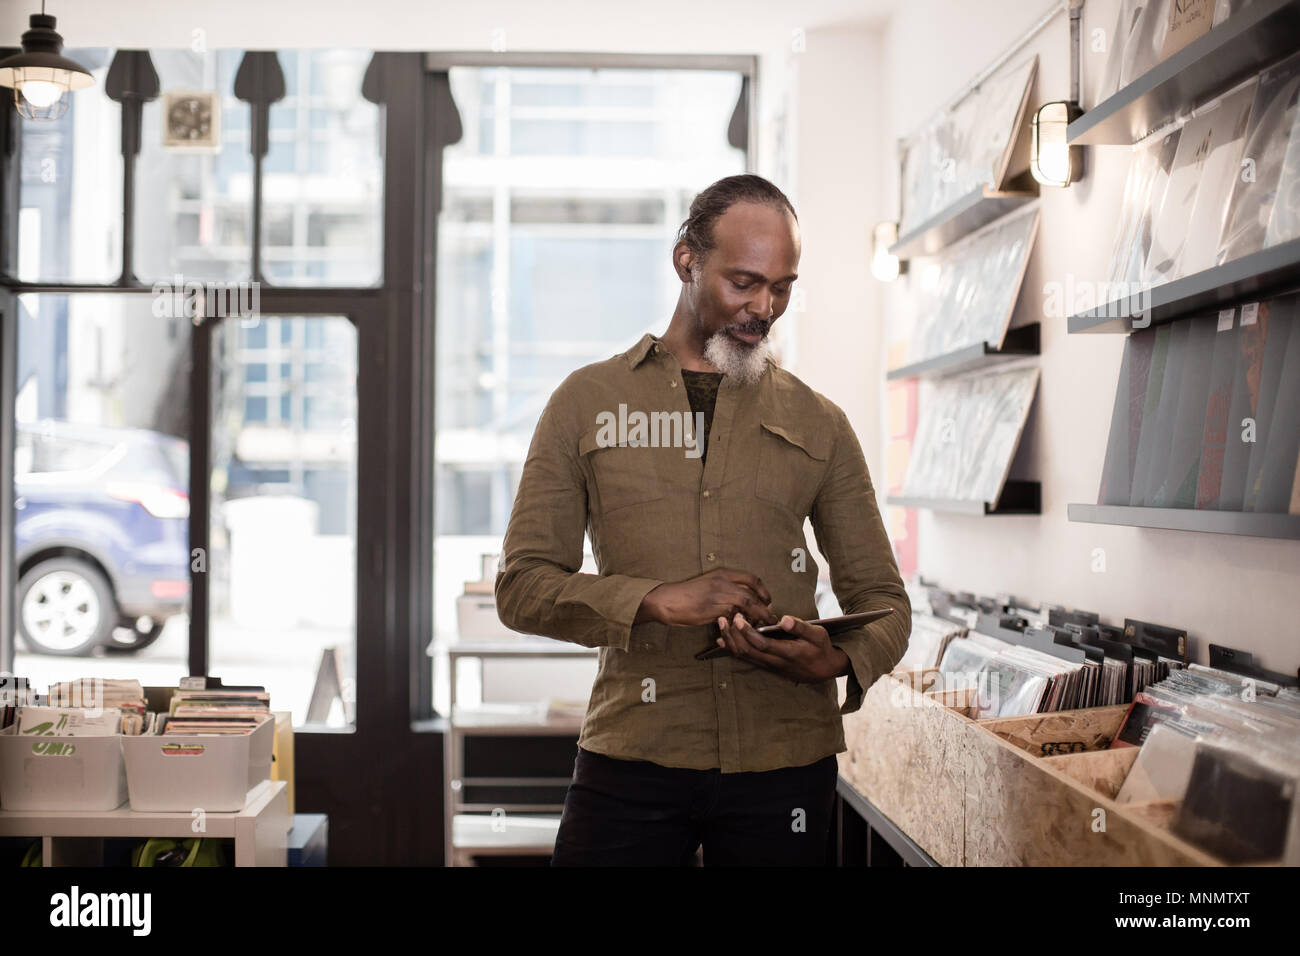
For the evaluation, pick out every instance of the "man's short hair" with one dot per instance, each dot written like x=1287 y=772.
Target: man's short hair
x=697 y=230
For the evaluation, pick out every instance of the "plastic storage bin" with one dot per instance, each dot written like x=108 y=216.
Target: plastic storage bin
x=191 y=771
x=61 y=773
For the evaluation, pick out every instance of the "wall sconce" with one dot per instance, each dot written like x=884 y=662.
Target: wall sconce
x=1052 y=162
x=884 y=266
x=40 y=75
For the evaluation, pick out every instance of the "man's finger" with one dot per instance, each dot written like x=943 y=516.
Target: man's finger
x=751 y=581
x=757 y=648
x=804 y=630
x=743 y=600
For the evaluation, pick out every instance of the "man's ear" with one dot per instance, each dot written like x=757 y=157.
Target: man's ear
x=683 y=260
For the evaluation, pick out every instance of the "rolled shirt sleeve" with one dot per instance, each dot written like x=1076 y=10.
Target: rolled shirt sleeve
x=539 y=587
x=864 y=574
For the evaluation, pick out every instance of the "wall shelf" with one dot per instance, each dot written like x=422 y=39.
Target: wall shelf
x=1017 y=498
x=976 y=209
x=1190 y=519
x=1024 y=340
x=1268 y=272
x=1264 y=31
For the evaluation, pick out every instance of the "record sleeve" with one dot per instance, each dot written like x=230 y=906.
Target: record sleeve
x=1002 y=104
x=1223 y=367
x=979 y=281
x=1272 y=117
x=1144 y=41
x=1144 y=191
x=1170 y=223
x=1277 y=473
x=1150 y=408
x=967 y=434
x=1163 y=766
x=1178 y=490
x=1166 y=414
x=1237 y=807
x=1258 y=334
x=1188 y=21
x=1284 y=220
x=1228 y=120
x=1276 y=364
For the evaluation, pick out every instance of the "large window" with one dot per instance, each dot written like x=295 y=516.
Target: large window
x=101 y=483
x=560 y=208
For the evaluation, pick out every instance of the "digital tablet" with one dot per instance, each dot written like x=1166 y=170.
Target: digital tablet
x=833 y=625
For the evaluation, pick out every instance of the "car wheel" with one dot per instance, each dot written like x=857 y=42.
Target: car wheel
x=65 y=608
x=140 y=640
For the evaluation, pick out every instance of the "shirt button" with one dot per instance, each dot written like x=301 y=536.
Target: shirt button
x=711 y=556
x=648 y=646
x=672 y=384
x=656 y=348
x=706 y=492
x=723 y=685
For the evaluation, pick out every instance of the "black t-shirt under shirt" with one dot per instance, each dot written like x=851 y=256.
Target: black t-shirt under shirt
x=702 y=390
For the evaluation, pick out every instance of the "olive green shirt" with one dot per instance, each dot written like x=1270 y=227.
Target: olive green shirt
x=778 y=453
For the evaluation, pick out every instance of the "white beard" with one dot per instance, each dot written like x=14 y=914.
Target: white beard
x=735 y=359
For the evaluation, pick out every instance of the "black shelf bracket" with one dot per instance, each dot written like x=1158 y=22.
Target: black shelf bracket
x=1017 y=498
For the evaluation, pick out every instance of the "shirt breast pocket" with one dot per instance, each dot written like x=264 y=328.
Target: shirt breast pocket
x=624 y=475
x=792 y=462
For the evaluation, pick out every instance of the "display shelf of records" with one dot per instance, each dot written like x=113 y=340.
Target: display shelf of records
x=1211 y=210
x=969 y=214
x=1020 y=342
x=1077 y=743
x=956 y=172
x=966 y=438
x=1164 y=62
x=1205 y=429
x=1261 y=273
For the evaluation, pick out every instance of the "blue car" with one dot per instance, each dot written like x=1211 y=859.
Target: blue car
x=101 y=536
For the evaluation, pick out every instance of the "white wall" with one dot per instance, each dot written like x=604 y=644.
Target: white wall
x=838 y=194
x=1222 y=588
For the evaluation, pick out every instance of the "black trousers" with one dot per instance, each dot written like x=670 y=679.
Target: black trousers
x=637 y=813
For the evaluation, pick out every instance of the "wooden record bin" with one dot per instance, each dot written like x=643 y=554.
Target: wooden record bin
x=1009 y=791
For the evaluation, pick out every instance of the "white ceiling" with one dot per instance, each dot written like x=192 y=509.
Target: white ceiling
x=666 y=26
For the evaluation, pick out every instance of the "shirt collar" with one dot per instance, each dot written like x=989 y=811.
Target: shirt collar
x=637 y=353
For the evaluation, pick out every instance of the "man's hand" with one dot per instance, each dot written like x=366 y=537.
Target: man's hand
x=806 y=657
x=700 y=600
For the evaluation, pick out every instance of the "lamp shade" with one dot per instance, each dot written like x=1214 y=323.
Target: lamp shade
x=40 y=75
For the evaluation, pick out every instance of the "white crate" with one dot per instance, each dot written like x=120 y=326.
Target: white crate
x=61 y=773
x=187 y=772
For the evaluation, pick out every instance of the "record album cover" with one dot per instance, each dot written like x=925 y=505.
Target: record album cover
x=1277 y=364
x=1188 y=21
x=1178 y=490
x=1214 y=439
x=1272 y=117
x=1228 y=120
x=1276 y=477
x=1150 y=408
x=1144 y=191
x=1258 y=335
x=1166 y=415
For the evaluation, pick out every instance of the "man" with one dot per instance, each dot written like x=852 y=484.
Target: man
x=698 y=544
